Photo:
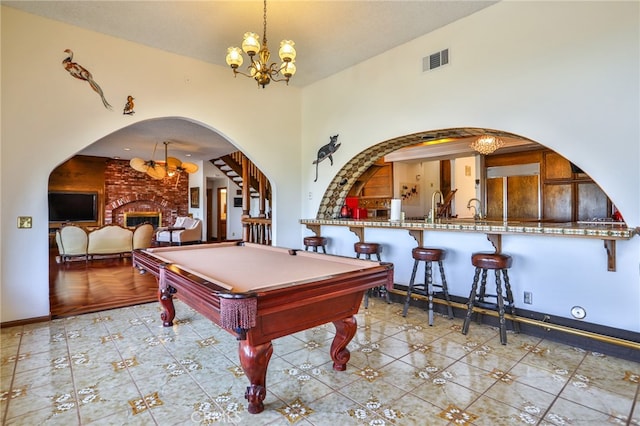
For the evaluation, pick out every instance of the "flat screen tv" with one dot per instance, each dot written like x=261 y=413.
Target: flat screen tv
x=73 y=206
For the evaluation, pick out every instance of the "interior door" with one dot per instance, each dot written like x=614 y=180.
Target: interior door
x=222 y=213
x=210 y=217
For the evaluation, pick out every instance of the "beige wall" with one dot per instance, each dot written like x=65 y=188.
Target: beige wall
x=47 y=117
x=564 y=74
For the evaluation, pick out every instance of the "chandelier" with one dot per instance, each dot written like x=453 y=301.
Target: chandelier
x=260 y=69
x=160 y=169
x=487 y=144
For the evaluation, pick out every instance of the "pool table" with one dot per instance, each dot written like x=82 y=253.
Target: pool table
x=260 y=293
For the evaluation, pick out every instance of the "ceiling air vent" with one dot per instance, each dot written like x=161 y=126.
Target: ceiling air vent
x=435 y=60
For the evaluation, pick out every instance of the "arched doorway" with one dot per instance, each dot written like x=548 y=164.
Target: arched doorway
x=337 y=191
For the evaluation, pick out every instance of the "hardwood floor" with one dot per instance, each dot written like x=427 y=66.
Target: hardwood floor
x=79 y=287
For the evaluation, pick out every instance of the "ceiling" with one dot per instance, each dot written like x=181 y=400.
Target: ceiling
x=330 y=36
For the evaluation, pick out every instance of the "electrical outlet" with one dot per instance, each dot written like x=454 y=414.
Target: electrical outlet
x=528 y=297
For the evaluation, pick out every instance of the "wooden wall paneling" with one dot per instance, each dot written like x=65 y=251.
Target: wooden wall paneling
x=380 y=184
x=557 y=202
x=556 y=166
x=81 y=174
x=495 y=198
x=592 y=202
x=522 y=197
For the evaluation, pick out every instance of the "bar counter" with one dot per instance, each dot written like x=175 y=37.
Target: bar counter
x=609 y=232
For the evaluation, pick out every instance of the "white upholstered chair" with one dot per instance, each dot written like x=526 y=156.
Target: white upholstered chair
x=72 y=241
x=142 y=236
x=192 y=232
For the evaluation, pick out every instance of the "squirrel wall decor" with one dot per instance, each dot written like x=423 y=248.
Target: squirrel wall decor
x=326 y=151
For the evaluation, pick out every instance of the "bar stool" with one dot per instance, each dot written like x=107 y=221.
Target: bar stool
x=315 y=242
x=499 y=263
x=427 y=255
x=367 y=249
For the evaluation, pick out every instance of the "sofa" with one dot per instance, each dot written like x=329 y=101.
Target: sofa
x=75 y=241
x=191 y=234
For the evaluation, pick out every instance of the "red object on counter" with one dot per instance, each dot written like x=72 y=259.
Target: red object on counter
x=360 y=213
x=617 y=216
x=352 y=203
x=345 y=212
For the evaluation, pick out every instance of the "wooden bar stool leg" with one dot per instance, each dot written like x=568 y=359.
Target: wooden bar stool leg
x=367 y=256
x=512 y=305
x=483 y=285
x=470 y=303
x=482 y=292
x=445 y=290
x=383 y=288
x=410 y=289
x=367 y=249
x=503 y=327
x=428 y=280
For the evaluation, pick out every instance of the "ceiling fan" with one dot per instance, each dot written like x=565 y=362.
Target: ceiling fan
x=160 y=169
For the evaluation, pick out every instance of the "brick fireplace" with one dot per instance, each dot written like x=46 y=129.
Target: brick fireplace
x=133 y=219
x=129 y=193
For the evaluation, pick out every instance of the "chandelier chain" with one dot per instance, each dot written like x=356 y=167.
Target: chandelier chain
x=264 y=20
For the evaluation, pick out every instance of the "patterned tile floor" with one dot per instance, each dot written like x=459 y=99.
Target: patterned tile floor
x=122 y=367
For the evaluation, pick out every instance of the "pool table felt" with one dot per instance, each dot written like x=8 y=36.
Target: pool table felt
x=252 y=267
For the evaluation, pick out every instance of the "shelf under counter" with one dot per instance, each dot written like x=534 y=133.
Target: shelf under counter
x=494 y=230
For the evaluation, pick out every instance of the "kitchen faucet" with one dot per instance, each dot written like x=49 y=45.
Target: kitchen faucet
x=434 y=206
x=477 y=212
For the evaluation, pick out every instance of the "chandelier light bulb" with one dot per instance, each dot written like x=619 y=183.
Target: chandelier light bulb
x=251 y=43
x=287 y=51
x=288 y=69
x=234 y=57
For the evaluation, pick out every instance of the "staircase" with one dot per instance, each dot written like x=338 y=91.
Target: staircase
x=231 y=165
x=255 y=229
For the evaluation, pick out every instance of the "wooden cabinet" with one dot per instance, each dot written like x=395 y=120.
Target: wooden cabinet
x=376 y=182
x=374 y=189
x=566 y=193
x=571 y=194
x=513 y=192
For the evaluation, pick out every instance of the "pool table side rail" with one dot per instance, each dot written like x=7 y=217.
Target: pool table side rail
x=283 y=312
x=148 y=262
x=280 y=311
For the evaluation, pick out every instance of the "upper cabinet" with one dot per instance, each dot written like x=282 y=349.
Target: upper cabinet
x=376 y=182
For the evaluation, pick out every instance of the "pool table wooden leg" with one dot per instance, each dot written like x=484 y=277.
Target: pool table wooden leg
x=345 y=330
x=165 y=297
x=254 y=361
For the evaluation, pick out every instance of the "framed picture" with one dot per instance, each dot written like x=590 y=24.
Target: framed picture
x=194 y=194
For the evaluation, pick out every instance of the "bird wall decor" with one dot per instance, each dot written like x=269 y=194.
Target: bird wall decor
x=128 y=107
x=81 y=73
